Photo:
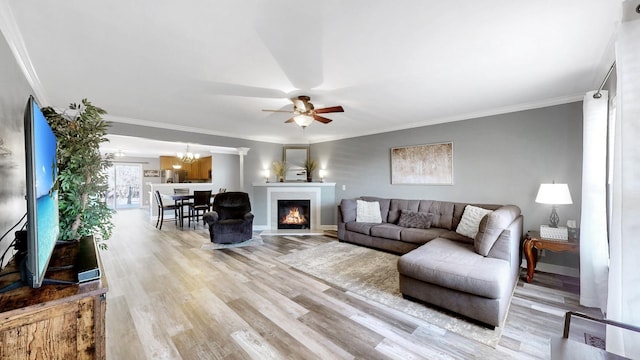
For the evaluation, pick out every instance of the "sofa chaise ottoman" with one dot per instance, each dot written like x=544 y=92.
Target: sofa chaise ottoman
x=471 y=273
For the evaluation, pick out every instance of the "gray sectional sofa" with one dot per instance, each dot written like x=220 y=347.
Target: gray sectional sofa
x=474 y=277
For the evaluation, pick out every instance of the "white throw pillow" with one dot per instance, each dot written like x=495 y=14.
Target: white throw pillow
x=470 y=221
x=368 y=211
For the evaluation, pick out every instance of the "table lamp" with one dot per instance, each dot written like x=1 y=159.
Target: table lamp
x=554 y=194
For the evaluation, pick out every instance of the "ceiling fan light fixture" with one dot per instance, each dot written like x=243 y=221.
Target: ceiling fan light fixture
x=303 y=120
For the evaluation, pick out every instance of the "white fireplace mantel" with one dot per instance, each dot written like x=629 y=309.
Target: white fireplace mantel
x=312 y=191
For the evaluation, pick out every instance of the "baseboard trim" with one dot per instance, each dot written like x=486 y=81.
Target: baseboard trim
x=322 y=227
x=554 y=269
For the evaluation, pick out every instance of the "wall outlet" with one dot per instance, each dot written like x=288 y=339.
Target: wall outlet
x=543 y=253
x=344 y=187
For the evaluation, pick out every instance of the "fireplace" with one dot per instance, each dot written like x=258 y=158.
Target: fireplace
x=294 y=214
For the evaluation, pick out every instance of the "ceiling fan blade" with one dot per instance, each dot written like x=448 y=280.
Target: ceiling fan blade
x=289 y=121
x=323 y=120
x=330 y=110
x=285 y=111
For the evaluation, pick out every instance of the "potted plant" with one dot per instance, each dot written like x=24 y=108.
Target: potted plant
x=310 y=165
x=279 y=169
x=82 y=176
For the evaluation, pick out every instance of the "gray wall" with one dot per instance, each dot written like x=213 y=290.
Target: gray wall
x=14 y=92
x=225 y=172
x=497 y=159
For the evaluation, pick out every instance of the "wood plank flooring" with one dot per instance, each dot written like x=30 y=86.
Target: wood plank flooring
x=169 y=299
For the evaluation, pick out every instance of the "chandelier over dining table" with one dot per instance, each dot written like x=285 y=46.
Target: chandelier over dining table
x=188 y=157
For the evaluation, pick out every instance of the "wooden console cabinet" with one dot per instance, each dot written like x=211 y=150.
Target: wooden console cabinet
x=53 y=321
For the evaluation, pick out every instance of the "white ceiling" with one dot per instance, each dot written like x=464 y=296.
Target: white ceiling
x=211 y=66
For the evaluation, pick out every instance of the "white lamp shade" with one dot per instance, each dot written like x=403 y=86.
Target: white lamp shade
x=556 y=194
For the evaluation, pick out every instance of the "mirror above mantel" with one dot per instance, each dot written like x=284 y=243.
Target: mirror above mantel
x=294 y=157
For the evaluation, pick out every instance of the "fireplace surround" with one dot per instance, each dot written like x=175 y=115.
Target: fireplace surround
x=322 y=204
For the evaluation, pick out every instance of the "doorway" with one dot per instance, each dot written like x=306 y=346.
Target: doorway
x=125 y=185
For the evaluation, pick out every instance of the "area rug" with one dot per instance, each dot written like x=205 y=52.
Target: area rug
x=255 y=241
x=373 y=274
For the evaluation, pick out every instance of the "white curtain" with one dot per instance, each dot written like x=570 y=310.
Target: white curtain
x=594 y=246
x=624 y=274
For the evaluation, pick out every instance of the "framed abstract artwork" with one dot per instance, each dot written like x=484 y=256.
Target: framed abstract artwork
x=423 y=164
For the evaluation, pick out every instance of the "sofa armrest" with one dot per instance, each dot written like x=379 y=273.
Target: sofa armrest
x=508 y=242
x=341 y=225
x=248 y=216
x=210 y=217
x=348 y=210
x=508 y=247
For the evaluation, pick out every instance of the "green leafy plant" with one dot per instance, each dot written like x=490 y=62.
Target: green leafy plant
x=82 y=176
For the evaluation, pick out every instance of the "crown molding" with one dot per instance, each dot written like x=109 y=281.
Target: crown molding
x=13 y=37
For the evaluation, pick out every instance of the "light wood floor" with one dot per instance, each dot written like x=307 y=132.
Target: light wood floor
x=168 y=299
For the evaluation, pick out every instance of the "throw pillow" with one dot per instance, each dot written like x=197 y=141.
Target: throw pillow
x=470 y=221
x=492 y=226
x=368 y=211
x=415 y=219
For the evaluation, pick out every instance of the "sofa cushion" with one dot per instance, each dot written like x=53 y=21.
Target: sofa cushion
x=442 y=214
x=397 y=206
x=457 y=266
x=362 y=228
x=470 y=221
x=387 y=231
x=492 y=226
x=452 y=235
x=348 y=210
x=420 y=236
x=368 y=211
x=415 y=219
x=384 y=205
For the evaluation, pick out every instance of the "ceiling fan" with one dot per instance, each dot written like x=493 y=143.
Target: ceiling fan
x=304 y=112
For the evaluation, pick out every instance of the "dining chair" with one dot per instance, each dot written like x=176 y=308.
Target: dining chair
x=162 y=208
x=182 y=203
x=200 y=205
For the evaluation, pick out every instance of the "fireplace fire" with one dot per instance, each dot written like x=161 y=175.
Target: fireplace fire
x=294 y=214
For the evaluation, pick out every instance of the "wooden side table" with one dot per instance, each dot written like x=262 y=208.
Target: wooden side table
x=533 y=242
x=53 y=321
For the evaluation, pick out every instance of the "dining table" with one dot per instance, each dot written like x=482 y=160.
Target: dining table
x=182 y=200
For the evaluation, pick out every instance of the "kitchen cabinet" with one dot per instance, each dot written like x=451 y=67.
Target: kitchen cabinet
x=197 y=170
x=167 y=162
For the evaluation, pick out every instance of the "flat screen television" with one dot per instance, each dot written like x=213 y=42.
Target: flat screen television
x=42 y=198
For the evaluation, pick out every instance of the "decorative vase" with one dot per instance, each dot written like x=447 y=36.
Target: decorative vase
x=309 y=179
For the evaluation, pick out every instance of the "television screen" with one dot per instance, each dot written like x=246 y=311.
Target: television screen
x=42 y=198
